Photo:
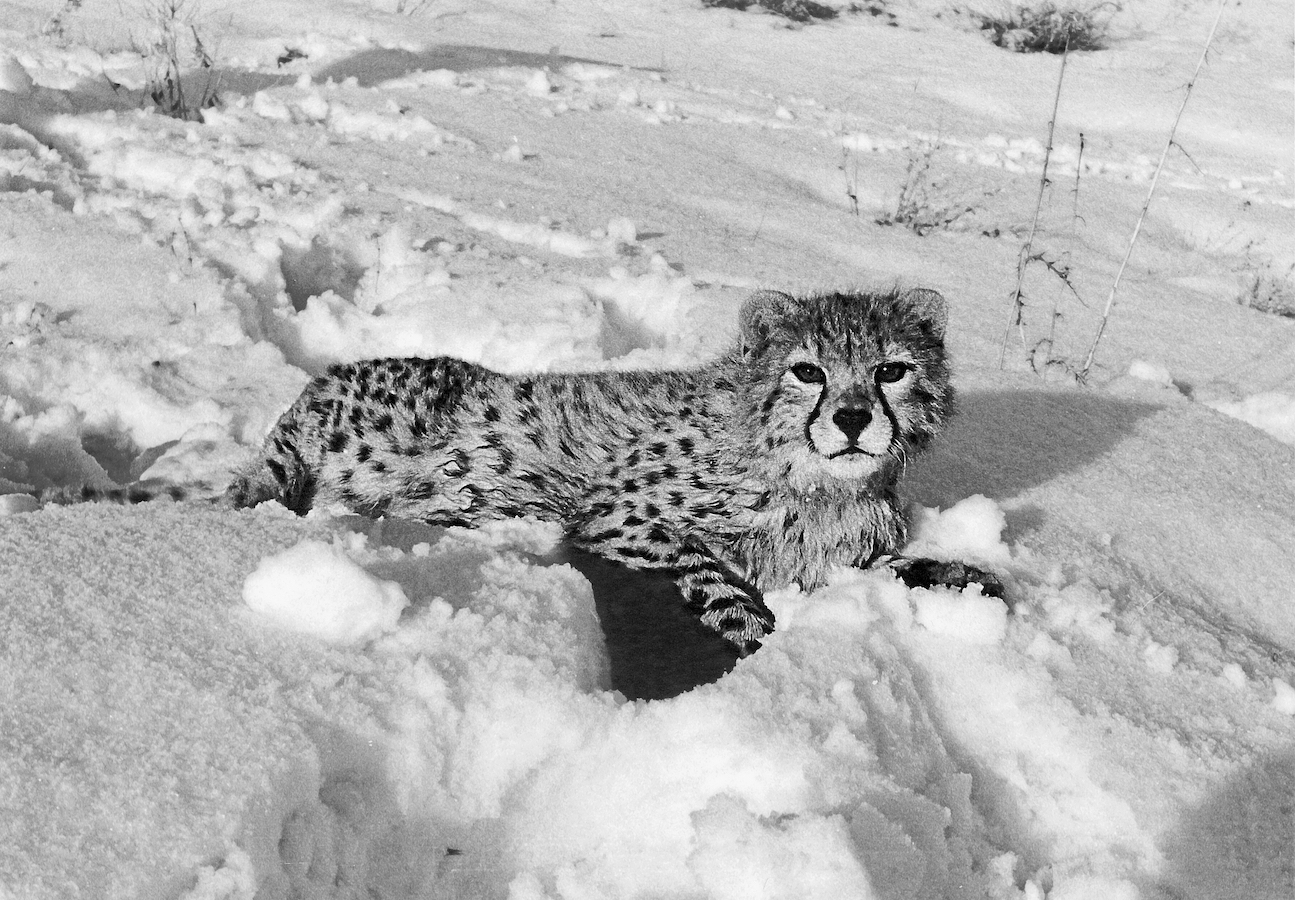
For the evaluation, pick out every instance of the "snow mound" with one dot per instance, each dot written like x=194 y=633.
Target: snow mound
x=1270 y=411
x=969 y=531
x=316 y=589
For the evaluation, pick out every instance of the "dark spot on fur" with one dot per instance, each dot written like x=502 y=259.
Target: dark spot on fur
x=630 y=486
x=378 y=466
x=652 y=510
x=364 y=453
x=658 y=535
x=696 y=600
x=658 y=449
x=337 y=441
x=420 y=490
x=634 y=521
x=505 y=463
x=492 y=413
x=346 y=475
x=730 y=623
x=276 y=469
x=633 y=458
x=523 y=391
x=462 y=461
x=685 y=445
x=383 y=422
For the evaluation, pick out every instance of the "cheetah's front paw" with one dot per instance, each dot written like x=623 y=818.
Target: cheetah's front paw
x=730 y=607
x=922 y=572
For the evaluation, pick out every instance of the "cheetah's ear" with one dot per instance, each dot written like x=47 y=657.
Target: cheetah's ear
x=759 y=313
x=930 y=306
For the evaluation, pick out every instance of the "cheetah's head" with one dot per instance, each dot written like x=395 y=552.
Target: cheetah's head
x=843 y=386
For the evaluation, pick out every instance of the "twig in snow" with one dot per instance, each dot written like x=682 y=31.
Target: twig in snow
x=1079 y=168
x=1155 y=178
x=1017 y=318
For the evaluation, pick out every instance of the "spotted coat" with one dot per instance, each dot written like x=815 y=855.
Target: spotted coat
x=767 y=466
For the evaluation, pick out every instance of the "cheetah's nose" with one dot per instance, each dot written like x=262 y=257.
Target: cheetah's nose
x=852 y=420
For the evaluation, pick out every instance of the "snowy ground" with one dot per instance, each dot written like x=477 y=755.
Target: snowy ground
x=212 y=705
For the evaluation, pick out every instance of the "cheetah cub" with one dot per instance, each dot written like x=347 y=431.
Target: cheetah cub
x=770 y=465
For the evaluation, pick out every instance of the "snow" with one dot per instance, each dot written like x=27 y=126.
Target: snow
x=1270 y=411
x=316 y=589
x=213 y=705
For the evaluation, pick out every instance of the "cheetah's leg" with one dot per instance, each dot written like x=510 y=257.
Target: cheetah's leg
x=278 y=473
x=723 y=600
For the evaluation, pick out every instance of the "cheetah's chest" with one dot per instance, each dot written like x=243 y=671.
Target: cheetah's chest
x=802 y=542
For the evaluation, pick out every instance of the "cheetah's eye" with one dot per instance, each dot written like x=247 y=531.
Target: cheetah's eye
x=891 y=372
x=808 y=373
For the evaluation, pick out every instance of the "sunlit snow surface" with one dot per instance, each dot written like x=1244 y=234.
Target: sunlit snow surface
x=213 y=705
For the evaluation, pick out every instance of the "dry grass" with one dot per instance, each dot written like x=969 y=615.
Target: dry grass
x=1047 y=27
x=1270 y=291
x=922 y=205
x=174 y=52
x=795 y=10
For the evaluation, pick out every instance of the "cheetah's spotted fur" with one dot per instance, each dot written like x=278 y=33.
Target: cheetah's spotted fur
x=769 y=465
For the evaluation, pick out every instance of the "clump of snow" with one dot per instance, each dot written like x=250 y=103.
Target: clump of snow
x=1283 y=697
x=1234 y=675
x=741 y=855
x=1149 y=371
x=968 y=615
x=539 y=85
x=1160 y=658
x=316 y=589
x=653 y=303
x=12 y=504
x=1270 y=411
x=623 y=231
x=13 y=77
x=970 y=531
x=233 y=879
